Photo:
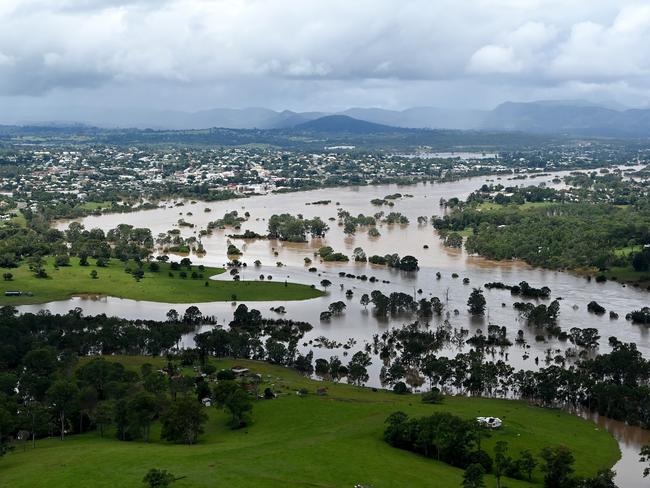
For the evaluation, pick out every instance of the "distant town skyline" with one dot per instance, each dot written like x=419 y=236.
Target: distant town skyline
x=73 y=59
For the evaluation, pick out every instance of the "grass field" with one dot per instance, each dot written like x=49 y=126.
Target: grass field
x=466 y=232
x=96 y=205
x=627 y=250
x=18 y=219
x=629 y=275
x=67 y=281
x=302 y=441
x=526 y=205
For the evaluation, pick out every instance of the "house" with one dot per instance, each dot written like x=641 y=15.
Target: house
x=207 y=402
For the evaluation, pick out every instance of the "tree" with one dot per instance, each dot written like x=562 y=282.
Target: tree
x=35 y=418
x=476 y=302
x=436 y=306
x=408 y=263
x=87 y=402
x=239 y=405
x=231 y=396
x=37 y=266
x=336 y=368
x=557 y=466
x=645 y=458
x=357 y=368
x=172 y=316
x=603 y=479
x=158 y=478
x=359 y=255
x=325 y=283
x=192 y=315
x=7 y=425
x=527 y=463
x=8 y=276
x=141 y=408
x=99 y=373
x=640 y=262
x=183 y=421
x=473 y=476
x=63 y=397
x=94 y=275
x=103 y=416
x=337 y=308
x=501 y=461
x=365 y=300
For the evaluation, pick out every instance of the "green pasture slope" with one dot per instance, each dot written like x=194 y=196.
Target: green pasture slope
x=67 y=281
x=302 y=441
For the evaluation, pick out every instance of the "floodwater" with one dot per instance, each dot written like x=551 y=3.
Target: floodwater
x=630 y=440
x=360 y=324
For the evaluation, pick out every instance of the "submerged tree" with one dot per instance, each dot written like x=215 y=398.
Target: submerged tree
x=476 y=302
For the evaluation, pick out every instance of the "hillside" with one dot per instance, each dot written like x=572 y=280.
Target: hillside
x=344 y=124
x=308 y=440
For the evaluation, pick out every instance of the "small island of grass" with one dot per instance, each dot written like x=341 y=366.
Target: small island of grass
x=162 y=284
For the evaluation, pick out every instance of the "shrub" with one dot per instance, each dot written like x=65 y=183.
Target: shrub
x=434 y=396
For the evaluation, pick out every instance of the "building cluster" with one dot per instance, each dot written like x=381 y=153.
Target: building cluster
x=91 y=177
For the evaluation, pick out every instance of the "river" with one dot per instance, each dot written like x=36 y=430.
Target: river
x=360 y=324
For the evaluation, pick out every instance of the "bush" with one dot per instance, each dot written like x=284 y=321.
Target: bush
x=595 y=307
x=400 y=388
x=225 y=374
x=434 y=396
x=62 y=260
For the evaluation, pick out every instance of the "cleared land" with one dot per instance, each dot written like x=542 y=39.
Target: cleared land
x=66 y=281
x=302 y=441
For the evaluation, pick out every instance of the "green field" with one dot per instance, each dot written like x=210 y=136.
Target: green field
x=96 y=205
x=626 y=251
x=302 y=441
x=526 y=205
x=18 y=219
x=67 y=281
x=628 y=275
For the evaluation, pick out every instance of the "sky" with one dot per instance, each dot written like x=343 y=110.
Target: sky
x=65 y=59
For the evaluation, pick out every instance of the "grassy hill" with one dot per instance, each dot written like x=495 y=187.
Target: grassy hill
x=302 y=441
x=66 y=281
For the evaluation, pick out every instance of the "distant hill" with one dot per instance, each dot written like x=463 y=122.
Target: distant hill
x=572 y=117
x=567 y=117
x=421 y=117
x=343 y=124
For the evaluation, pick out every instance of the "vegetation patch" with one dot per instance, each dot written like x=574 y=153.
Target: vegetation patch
x=182 y=285
x=341 y=423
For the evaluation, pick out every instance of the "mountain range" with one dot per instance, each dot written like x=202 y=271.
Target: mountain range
x=571 y=117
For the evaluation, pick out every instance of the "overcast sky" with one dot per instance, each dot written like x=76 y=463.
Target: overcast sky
x=60 y=58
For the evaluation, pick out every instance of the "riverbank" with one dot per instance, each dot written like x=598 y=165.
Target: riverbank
x=303 y=440
x=166 y=285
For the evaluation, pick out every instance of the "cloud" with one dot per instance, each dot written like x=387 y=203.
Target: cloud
x=595 y=51
x=494 y=59
x=372 y=51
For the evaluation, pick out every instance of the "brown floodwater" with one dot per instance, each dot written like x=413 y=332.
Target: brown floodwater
x=360 y=324
x=629 y=472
